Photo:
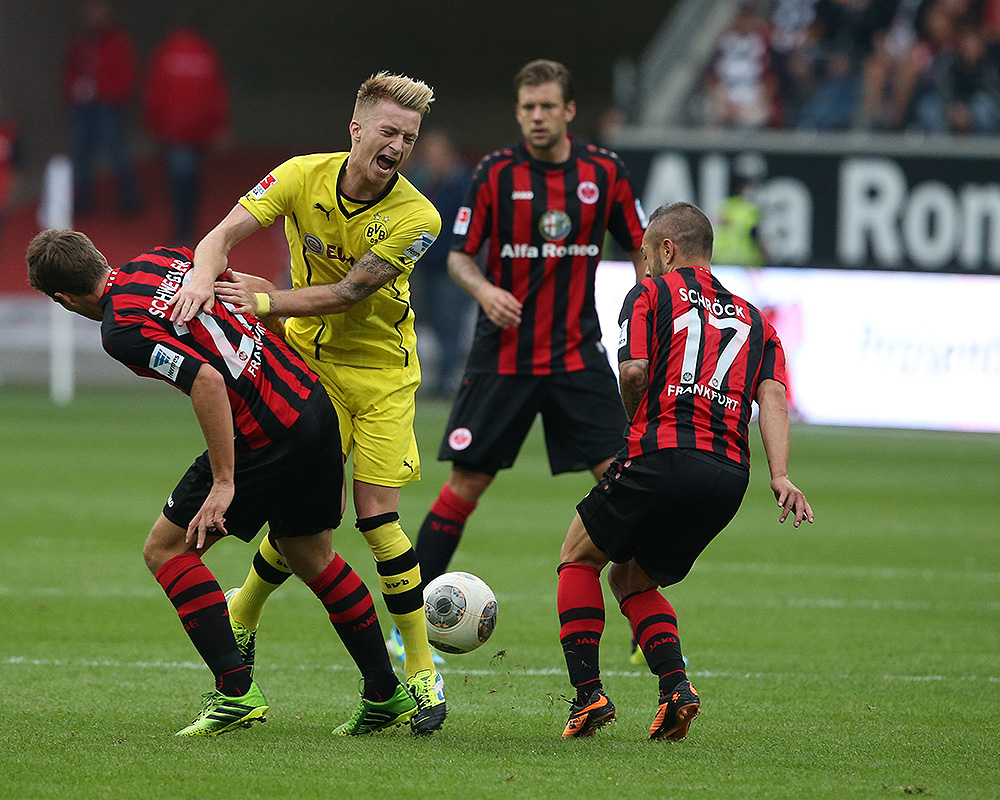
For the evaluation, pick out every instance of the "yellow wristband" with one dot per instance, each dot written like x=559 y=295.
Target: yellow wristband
x=263 y=304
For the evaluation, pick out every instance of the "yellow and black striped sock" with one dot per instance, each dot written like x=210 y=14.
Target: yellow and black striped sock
x=399 y=577
x=268 y=571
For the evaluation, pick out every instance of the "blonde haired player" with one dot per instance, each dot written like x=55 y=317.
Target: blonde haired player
x=355 y=229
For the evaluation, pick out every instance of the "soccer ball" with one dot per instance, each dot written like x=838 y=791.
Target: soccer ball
x=461 y=612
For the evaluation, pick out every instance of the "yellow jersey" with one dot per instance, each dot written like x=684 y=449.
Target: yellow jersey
x=327 y=233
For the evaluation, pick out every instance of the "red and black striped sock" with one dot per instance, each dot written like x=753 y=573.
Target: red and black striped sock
x=654 y=626
x=201 y=606
x=581 y=623
x=440 y=533
x=349 y=604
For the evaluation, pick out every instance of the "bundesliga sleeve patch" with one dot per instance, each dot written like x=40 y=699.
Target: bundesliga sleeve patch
x=419 y=245
x=462 y=219
x=258 y=191
x=166 y=361
x=623 y=335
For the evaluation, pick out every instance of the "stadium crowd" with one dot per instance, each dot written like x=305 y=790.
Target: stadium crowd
x=927 y=66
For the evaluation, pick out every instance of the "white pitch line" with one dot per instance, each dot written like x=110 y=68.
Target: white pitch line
x=499 y=672
x=701 y=600
x=863 y=573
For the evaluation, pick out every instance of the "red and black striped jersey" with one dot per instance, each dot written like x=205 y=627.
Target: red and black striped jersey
x=268 y=383
x=546 y=224
x=708 y=351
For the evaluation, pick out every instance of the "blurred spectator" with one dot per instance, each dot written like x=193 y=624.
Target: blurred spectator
x=187 y=110
x=889 y=73
x=11 y=163
x=799 y=77
x=929 y=61
x=737 y=232
x=969 y=97
x=885 y=65
x=98 y=80
x=443 y=178
x=740 y=84
x=832 y=106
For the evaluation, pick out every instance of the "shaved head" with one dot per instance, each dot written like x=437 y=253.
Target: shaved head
x=686 y=225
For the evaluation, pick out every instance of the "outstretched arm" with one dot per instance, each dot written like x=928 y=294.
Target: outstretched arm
x=211 y=257
x=502 y=308
x=367 y=276
x=775 y=431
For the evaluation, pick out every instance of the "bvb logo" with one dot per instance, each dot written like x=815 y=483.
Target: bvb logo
x=375 y=232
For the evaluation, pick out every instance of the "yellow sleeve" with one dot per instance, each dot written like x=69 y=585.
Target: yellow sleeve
x=274 y=196
x=410 y=238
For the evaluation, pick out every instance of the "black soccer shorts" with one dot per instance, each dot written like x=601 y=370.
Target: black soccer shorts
x=295 y=484
x=582 y=415
x=663 y=509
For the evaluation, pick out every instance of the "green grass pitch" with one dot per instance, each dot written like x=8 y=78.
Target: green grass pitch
x=855 y=658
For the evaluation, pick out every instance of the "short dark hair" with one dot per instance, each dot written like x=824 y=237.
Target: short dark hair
x=686 y=225
x=542 y=70
x=64 y=261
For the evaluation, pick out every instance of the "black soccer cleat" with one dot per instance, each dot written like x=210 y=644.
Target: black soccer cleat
x=585 y=718
x=676 y=712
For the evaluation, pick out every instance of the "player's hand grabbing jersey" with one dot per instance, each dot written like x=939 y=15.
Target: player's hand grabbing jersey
x=708 y=351
x=546 y=224
x=327 y=233
x=268 y=383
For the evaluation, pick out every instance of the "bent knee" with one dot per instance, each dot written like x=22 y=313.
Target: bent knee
x=627 y=579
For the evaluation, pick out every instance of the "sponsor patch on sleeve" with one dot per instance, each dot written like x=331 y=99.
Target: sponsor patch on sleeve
x=462 y=219
x=419 y=245
x=258 y=191
x=166 y=361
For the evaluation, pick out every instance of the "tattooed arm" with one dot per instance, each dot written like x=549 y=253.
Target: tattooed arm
x=368 y=274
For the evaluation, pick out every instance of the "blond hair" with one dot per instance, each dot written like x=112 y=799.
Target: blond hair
x=407 y=92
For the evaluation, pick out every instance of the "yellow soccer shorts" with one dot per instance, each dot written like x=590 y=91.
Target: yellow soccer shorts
x=375 y=407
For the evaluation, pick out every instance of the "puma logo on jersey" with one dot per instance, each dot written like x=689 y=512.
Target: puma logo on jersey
x=318 y=206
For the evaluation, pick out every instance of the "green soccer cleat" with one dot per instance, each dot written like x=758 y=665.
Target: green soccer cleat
x=371 y=716
x=427 y=688
x=221 y=714
x=245 y=638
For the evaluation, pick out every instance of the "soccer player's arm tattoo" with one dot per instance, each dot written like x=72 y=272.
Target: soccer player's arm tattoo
x=633 y=378
x=367 y=276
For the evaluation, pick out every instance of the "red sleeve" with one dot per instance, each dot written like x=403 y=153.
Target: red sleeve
x=626 y=220
x=474 y=219
x=773 y=363
x=636 y=320
x=145 y=347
